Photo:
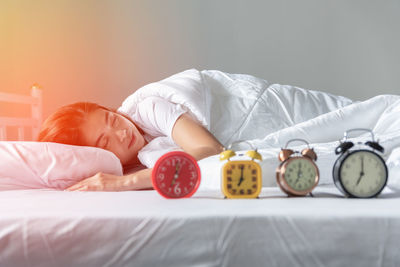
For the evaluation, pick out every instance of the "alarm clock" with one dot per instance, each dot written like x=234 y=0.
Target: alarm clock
x=297 y=174
x=176 y=174
x=241 y=178
x=360 y=172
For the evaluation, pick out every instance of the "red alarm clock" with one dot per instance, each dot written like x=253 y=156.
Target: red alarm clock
x=176 y=174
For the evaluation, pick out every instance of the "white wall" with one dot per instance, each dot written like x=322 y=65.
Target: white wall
x=102 y=51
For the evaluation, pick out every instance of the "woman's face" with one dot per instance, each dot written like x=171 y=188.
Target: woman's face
x=112 y=131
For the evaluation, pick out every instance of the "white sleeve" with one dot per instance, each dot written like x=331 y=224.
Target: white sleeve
x=157 y=116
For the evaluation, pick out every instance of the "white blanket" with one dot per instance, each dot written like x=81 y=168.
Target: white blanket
x=242 y=107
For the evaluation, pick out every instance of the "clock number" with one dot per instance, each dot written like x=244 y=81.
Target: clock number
x=177 y=189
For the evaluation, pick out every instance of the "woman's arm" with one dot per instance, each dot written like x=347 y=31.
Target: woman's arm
x=194 y=139
x=109 y=182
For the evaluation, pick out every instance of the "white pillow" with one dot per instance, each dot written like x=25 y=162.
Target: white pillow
x=26 y=165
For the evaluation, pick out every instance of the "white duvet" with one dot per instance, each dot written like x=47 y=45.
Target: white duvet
x=245 y=108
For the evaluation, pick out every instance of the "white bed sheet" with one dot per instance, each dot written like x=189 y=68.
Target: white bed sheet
x=43 y=227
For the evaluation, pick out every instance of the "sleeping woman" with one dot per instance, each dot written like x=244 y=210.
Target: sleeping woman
x=89 y=124
x=198 y=112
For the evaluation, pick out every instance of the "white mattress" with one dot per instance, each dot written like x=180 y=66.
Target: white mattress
x=140 y=228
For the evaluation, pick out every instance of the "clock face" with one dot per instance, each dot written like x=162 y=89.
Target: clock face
x=300 y=175
x=241 y=179
x=176 y=175
x=363 y=173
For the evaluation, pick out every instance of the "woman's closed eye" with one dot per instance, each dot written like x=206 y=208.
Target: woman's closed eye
x=104 y=143
x=114 y=121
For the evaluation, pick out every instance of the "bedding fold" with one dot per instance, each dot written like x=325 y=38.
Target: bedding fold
x=239 y=107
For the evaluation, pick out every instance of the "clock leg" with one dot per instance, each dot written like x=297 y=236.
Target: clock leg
x=311 y=194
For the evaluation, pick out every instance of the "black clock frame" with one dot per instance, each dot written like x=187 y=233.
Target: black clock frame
x=337 y=167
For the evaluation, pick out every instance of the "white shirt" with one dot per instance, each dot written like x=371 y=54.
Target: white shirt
x=156 y=117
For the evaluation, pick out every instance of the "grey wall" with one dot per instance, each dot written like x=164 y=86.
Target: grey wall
x=102 y=51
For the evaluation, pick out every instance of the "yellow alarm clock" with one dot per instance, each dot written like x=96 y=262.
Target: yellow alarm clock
x=241 y=178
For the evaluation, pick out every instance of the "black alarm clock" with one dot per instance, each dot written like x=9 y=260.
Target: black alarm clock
x=360 y=172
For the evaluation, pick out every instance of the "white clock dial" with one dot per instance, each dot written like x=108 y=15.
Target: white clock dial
x=300 y=174
x=363 y=174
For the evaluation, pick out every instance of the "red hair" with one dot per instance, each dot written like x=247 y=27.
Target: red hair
x=64 y=125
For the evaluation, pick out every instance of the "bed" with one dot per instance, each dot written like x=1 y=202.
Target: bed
x=55 y=228
x=49 y=227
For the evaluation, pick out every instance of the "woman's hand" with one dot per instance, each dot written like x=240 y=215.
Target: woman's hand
x=100 y=182
x=109 y=182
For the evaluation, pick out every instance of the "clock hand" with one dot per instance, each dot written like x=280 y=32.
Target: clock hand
x=241 y=176
x=240 y=181
x=176 y=175
x=362 y=165
x=299 y=173
x=362 y=171
x=359 y=179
